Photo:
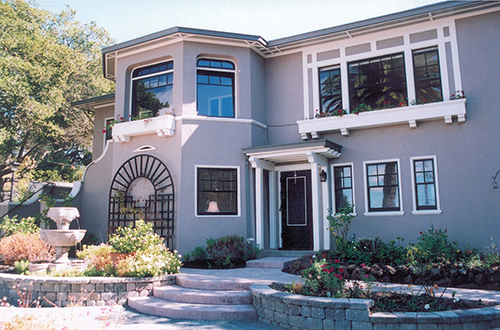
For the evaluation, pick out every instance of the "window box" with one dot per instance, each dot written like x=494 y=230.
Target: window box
x=162 y=126
x=385 y=117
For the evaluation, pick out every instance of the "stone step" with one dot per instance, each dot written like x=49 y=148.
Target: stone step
x=271 y=262
x=202 y=282
x=284 y=253
x=155 y=306
x=216 y=297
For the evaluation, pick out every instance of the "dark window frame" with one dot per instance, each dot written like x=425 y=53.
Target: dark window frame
x=340 y=186
x=383 y=185
x=375 y=80
x=330 y=89
x=423 y=75
x=218 y=69
x=149 y=73
x=214 y=172
x=419 y=207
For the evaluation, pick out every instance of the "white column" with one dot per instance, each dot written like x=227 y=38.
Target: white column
x=317 y=206
x=273 y=212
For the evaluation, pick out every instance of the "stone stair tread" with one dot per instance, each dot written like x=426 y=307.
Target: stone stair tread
x=159 y=307
x=271 y=262
x=204 y=282
x=189 y=295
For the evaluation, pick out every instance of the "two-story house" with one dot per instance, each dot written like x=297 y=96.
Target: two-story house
x=213 y=133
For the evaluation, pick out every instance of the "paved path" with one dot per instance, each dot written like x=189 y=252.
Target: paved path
x=95 y=318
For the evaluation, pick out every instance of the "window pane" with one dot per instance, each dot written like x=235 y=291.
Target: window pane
x=202 y=79
x=372 y=169
x=426 y=195
x=203 y=63
x=215 y=100
x=429 y=177
x=162 y=80
x=419 y=166
x=419 y=177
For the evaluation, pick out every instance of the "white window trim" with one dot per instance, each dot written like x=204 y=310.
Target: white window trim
x=413 y=190
x=104 y=134
x=235 y=87
x=238 y=191
x=365 y=176
x=131 y=87
x=343 y=124
x=334 y=206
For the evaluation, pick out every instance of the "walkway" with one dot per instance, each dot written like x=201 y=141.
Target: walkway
x=105 y=318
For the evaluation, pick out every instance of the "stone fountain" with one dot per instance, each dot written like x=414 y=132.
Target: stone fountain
x=62 y=238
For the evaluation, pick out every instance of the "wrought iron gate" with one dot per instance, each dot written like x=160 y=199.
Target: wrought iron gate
x=157 y=208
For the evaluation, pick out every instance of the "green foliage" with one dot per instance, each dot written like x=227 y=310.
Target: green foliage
x=134 y=239
x=230 y=251
x=10 y=226
x=22 y=266
x=369 y=251
x=340 y=223
x=47 y=61
x=324 y=279
x=433 y=247
x=155 y=261
x=199 y=253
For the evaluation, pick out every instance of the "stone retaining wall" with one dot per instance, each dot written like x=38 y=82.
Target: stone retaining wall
x=292 y=311
x=64 y=290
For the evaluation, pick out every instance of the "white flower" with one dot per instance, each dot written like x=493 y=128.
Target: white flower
x=461 y=264
x=457 y=299
x=314 y=256
x=427 y=307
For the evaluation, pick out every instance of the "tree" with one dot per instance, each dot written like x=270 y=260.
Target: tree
x=47 y=61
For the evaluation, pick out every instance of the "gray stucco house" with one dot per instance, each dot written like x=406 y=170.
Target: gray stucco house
x=218 y=133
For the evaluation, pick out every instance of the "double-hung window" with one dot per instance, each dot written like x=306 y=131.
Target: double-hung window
x=152 y=89
x=108 y=129
x=424 y=178
x=383 y=186
x=330 y=90
x=427 y=75
x=217 y=191
x=343 y=185
x=378 y=82
x=215 y=88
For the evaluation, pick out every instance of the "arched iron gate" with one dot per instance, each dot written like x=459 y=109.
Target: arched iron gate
x=156 y=208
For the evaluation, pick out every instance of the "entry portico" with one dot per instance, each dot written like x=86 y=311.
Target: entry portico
x=292 y=194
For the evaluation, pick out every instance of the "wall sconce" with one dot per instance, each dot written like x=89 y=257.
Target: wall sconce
x=322 y=176
x=494 y=184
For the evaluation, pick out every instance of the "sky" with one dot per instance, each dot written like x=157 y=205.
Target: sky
x=270 y=19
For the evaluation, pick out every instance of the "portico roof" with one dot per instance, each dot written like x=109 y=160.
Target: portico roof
x=292 y=153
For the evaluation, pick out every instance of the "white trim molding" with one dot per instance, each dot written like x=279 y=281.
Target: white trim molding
x=400 y=188
x=413 y=190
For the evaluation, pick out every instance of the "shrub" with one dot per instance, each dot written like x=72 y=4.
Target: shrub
x=98 y=259
x=25 y=246
x=155 y=261
x=139 y=238
x=230 y=251
x=198 y=254
x=324 y=279
x=433 y=247
x=10 y=226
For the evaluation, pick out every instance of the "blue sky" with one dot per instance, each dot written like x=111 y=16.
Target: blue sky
x=270 y=19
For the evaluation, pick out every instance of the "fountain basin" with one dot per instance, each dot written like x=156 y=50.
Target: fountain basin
x=60 y=237
x=62 y=216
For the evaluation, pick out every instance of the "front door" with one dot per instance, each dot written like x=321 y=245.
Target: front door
x=296 y=210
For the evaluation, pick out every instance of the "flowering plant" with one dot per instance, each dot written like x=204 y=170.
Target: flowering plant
x=325 y=279
x=335 y=113
x=457 y=95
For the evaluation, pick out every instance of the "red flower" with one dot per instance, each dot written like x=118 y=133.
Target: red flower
x=341 y=270
x=121 y=118
x=420 y=233
x=401 y=104
x=104 y=131
x=339 y=111
x=337 y=261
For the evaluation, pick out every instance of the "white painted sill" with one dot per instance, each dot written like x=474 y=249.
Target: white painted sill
x=426 y=212
x=410 y=115
x=162 y=126
x=385 y=214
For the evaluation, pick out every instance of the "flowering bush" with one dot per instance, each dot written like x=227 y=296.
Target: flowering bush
x=155 y=261
x=25 y=246
x=98 y=259
x=433 y=247
x=10 y=226
x=324 y=279
x=139 y=238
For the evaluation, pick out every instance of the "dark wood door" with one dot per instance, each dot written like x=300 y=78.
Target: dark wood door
x=296 y=210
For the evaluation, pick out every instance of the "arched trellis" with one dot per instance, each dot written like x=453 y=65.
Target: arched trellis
x=157 y=208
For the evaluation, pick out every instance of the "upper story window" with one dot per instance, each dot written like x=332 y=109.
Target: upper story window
x=215 y=82
x=152 y=89
x=427 y=75
x=377 y=83
x=330 y=90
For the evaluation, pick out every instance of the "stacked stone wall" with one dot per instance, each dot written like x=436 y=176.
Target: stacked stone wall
x=89 y=291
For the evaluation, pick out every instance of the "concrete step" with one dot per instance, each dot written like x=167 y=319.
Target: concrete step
x=271 y=262
x=216 y=297
x=201 y=282
x=284 y=253
x=155 y=306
